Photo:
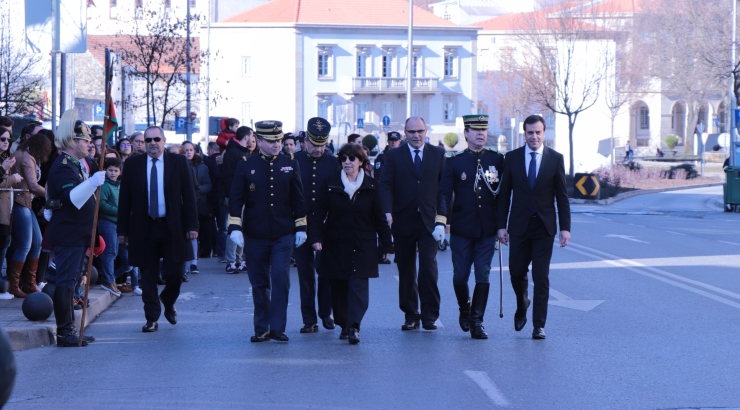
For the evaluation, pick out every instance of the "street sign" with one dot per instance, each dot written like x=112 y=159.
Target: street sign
x=360 y=123
x=386 y=129
x=99 y=111
x=386 y=121
x=587 y=186
x=737 y=117
x=180 y=125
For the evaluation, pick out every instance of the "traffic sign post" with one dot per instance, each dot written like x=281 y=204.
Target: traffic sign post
x=99 y=111
x=386 y=129
x=386 y=121
x=360 y=123
x=587 y=186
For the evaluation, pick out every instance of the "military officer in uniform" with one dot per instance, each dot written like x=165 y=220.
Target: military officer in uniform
x=316 y=165
x=472 y=175
x=267 y=195
x=394 y=140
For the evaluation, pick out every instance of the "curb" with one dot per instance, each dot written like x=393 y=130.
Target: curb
x=630 y=194
x=43 y=333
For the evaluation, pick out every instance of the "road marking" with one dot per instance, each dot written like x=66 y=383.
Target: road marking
x=184 y=297
x=488 y=387
x=730 y=243
x=601 y=217
x=396 y=276
x=627 y=237
x=639 y=226
x=677 y=233
x=566 y=301
x=675 y=279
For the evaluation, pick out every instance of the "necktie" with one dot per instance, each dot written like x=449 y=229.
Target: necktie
x=532 y=176
x=153 y=191
x=417 y=162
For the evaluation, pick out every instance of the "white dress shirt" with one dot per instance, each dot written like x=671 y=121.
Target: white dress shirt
x=160 y=182
x=528 y=158
x=413 y=154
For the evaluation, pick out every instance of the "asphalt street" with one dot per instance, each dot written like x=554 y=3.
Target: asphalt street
x=642 y=316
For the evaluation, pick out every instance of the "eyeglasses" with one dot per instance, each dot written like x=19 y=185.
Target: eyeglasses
x=125 y=144
x=155 y=139
x=138 y=141
x=415 y=131
x=4 y=139
x=343 y=158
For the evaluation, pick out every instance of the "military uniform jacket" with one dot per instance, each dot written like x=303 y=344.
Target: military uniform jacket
x=473 y=209
x=271 y=194
x=69 y=226
x=313 y=174
x=379 y=161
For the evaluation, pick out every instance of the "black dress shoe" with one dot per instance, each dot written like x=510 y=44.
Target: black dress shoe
x=328 y=323
x=410 y=325
x=150 y=327
x=88 y=339
x=260 y=337
x=519 y=322
x=185 y=277
x=477 y=331
x=344 y=334
x=161 y=281
x=278 y=336
x=538 y=333
x=310 y=328
x=429 y=326
x=354 y=336
x=382 y=261
x=171 y=314
x=70 y=340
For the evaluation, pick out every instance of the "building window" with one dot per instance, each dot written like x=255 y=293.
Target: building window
x=325 y=62
x=361 y=65
x=361 y=111
x=644 y=118
x=246 y=66
x=450 y=66
x=139 y=9
x=113 y=9
x=388 y=110
x=414 y=67
x=323 y=65
x=414 y=109
x=246 y=113
x=449 y=114
x=325 y=110
x=447 y=16
x=387 y=66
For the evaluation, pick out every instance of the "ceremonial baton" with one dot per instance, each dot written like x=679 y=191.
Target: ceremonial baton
x=501 y=281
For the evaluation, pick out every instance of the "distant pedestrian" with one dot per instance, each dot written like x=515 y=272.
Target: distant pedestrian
x=237 y=150
x=228 y=131
x=158 y=225
x=204 y=186
x=107 y=220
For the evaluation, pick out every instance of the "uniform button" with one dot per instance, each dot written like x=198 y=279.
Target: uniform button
x=480 y=197
x=271 y=178
x=418 y=182
x=313 y=192
x=313 y=183
x=313 y=199
x=272 y=170
x=271 y=205
x=479 y=206
x=479 y=160
x=270 y=186
x=274 y=195
x=313 y=175
x=314 y=167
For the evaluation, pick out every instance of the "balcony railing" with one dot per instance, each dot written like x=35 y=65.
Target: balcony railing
x=393 y=85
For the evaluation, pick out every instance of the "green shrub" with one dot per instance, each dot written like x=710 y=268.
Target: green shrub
x=671 y=141
x=451 y=139
x=369 y=141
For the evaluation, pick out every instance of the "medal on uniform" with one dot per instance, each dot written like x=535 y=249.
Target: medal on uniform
x=252 y=187
x=252 y=172
x=491 y=175
x=463 y=176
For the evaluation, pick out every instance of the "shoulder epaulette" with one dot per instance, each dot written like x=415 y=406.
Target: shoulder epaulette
x=492 y=149
x=244 y=158
x=453 y=154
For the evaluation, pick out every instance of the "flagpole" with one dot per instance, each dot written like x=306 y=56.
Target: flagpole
x=94 y=235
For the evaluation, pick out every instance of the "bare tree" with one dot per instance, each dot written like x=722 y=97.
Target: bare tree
x=559 y=64
x=157 y=52
x=20 y=84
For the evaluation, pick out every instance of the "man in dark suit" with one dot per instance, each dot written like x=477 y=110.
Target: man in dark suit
x=536 y=175
x=157 y=219
x=409 y=188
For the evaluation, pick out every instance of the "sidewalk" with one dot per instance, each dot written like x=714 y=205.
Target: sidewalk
x=25 y=334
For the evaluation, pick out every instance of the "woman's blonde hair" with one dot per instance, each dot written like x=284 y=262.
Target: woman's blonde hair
x=66 y=129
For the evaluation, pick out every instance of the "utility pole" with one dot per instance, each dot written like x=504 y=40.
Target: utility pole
x=188 y=120
x=733 y=101
x=63 y=83
x=410 y=68
x=205 y=123
x=55 y=46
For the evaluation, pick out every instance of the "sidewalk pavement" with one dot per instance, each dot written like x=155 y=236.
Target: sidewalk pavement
x=25 y=334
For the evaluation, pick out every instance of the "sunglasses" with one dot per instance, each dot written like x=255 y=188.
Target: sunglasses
x=155 y=139
x=415 y=131
x=343 y=158
x=125 y=144
x=4 y=139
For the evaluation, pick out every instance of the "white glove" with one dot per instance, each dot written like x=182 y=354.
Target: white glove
x=439 y=233
x=81 y=193
x=237 y=238
x=97 y=179
x=300 y=238
x=47 y=214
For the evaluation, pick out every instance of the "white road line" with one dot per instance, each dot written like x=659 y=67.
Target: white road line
x=633 y=267
x=730 y=243
x=639 y=226
x=677 y=233
x=601 y=217
x=485 y=383
x=396 y=276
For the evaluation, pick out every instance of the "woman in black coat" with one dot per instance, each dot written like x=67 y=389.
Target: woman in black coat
x=347 y=217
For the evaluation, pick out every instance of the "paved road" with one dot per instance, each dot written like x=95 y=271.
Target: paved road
x=642 y=318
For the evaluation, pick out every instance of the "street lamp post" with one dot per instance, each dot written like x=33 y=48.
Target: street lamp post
x=188 y=120
x=410 y=62
x=733 y=102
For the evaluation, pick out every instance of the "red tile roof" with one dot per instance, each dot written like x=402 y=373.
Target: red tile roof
x=96 y=46
x=350 y=12
x=617 y=6
x=545 y=19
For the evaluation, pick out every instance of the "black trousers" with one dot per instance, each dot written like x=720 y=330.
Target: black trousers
x=534 y=246
x=159 y=246
x=413 y=289
x=306 y=263
x=206 y=235
x=349 y=299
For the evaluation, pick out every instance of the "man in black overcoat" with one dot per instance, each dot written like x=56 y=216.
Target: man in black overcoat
x=157 y=219
x=535 y=175
x=409 y=188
